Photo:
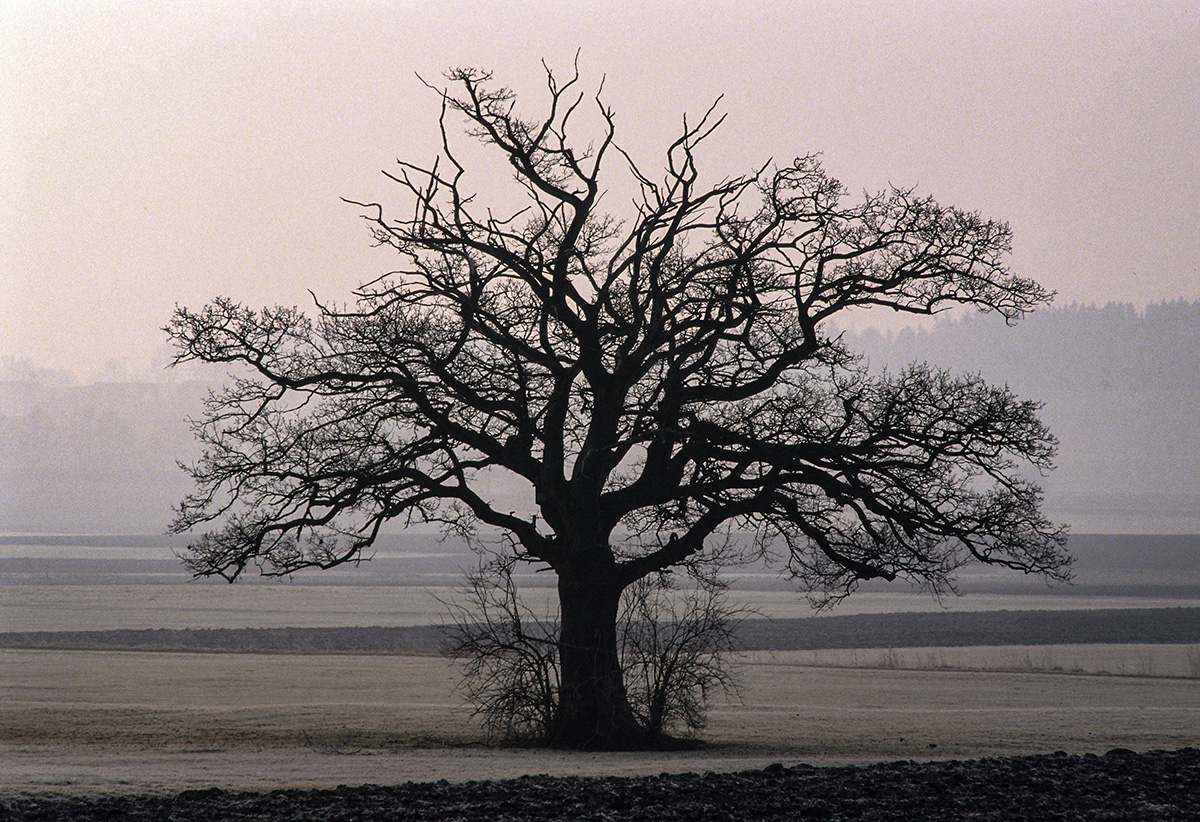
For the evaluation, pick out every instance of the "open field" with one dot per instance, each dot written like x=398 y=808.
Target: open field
x=60 y=607
x=82 y=722
x=29 y=607
x=101 y=721
x=97 y=582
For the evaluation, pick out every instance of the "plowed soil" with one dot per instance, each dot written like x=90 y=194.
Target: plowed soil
x=1120 y=785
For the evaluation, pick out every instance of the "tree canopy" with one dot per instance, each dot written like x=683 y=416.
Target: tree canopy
x=658 y=380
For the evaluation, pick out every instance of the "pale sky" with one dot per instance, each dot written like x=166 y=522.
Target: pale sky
x=160 y=153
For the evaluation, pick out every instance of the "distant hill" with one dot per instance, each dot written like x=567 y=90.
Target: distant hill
x=94 y=458
x=1121 y=390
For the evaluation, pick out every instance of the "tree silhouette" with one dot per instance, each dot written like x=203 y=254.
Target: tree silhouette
x=663 y=385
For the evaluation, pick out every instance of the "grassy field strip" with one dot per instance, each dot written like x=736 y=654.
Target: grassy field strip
x=30 y=607
x=47 y=607
x=891 y=712
x=90 y=720
x=98 y=678
x=219 y=699
x=1182 y=661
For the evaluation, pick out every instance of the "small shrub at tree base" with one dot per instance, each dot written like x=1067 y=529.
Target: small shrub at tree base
x=509 y=655
x=677 y=648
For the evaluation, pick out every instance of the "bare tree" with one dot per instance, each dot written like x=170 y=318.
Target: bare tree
x=652 y=381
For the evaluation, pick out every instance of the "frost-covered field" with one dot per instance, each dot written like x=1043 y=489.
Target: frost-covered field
x=128 y=721
x=91 y=607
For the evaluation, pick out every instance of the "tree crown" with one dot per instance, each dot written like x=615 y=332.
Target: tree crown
x=664 y=378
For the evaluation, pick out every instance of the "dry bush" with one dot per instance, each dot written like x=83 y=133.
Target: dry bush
x=676 y=649
x=510 y=654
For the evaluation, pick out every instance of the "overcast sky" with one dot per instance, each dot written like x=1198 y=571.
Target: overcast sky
x=160 y=153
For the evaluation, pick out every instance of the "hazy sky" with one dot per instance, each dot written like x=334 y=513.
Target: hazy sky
x=162 y=153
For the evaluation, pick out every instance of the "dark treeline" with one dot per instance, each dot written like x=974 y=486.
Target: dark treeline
x=1111 y=348
x=1121 y=391
x=936 y=629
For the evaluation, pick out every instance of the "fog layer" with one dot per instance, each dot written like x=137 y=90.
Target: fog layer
x=1121 y=390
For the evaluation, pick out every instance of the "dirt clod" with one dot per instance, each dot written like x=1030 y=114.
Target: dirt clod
x=1120 y=786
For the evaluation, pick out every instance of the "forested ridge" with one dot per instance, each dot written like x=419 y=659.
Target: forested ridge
x=1121 y=392
x=1110 y=348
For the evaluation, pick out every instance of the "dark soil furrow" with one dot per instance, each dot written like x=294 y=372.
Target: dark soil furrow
x=1120 y=785
x=939 y=629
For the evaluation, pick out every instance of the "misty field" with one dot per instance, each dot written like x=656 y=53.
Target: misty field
x=912 y=679
x=80 y=721
x=90 y=607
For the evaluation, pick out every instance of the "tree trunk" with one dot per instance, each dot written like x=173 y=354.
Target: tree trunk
x=593 y=709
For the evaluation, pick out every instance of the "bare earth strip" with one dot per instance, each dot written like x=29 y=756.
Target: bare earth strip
x=1144 y=626
x=88 y=721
